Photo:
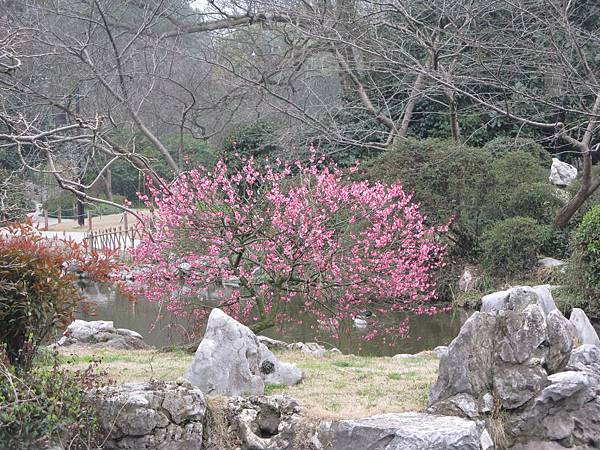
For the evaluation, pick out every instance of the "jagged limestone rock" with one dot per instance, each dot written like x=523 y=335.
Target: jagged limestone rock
x=231 y=360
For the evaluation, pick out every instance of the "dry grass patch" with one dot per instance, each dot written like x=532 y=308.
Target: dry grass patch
x=335 y=386
x=126 y=366
x=349 y=386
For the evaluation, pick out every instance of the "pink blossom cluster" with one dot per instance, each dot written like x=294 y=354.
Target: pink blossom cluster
x=288 y=234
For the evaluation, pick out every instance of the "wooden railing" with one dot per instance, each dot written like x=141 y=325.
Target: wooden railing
x=112 y=239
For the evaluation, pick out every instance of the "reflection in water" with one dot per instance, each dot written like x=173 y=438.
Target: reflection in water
x=160 y=328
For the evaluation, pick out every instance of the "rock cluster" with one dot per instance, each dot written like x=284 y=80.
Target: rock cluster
x=151 y=415
x=518 y=363
x=231 y=360
x=100 y=333
x=516 y=356
x=310 y=348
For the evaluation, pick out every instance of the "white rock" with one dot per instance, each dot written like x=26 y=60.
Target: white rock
x=440 y=350
x=584 y=329
x=585 y=355
x=272 y=343
x=469 y=279
x=81 y=330
x=230 y=360
x=487 y=403
x=126 y=332
x=550 y=262
x=310 y=348
x=404 y=356
x=100 y=334
x=561 y=173
x=545 y=299
x=486 y=441
x=563 y=385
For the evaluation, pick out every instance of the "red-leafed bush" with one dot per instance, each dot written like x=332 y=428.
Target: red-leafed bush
x=37 y=293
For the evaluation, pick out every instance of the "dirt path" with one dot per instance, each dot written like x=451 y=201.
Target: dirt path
x=98 y=223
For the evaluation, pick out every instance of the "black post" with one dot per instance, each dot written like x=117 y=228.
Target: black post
x=80 y=212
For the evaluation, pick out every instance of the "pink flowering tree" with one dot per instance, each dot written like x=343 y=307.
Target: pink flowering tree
x=291 y=236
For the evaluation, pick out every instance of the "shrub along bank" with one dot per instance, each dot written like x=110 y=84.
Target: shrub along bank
x=499 y=201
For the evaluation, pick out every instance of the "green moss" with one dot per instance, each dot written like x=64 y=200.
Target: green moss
x=274 y=388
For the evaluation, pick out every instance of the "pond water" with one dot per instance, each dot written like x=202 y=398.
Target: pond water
x=160 y=328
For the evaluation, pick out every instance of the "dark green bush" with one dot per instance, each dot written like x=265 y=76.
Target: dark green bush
x=512 y=246
x=537 y=200
x=36 y=294
x=46 y=408
x=252 y=139
x=449 y=180
x=586 y=249
x=501 y=146
x=468 y=185
x=475 y=188
x=555 y=242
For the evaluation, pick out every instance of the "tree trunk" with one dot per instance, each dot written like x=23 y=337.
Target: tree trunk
x=454 y=125
x=80 y=212
x=587 y=188
x=262 y=325
x=108 y=184
x=410 y=105
x=566 y=212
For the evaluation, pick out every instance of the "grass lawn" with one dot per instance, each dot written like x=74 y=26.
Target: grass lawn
x=334 y=386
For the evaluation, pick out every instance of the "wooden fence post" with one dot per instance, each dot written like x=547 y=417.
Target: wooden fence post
x=89 y=220
x=59 y=214
x=45 y=219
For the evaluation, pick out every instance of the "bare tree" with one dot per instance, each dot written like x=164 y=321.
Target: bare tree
x=85 y=84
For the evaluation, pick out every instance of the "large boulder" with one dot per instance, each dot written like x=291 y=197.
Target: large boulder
x=100 y=333
x=584 y=329
x=407 y=431
x=151 y=415
x=561 y=173
x=466 y=367
x=506 y=354
x=231 y=360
